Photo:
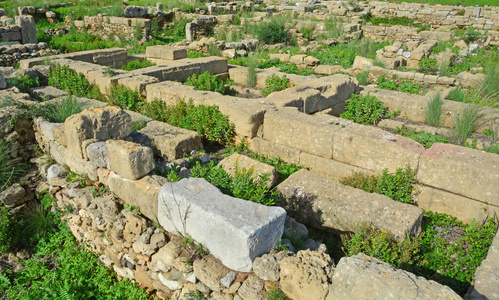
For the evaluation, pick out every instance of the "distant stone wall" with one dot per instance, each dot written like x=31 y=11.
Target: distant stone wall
x=21 y=29
x=107 y=27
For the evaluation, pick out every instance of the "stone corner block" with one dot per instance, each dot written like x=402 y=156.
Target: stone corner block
x=128 y=159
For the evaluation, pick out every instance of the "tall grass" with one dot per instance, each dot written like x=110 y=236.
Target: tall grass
x=10 y=169
x=334 y=28
x=58 y=112
x=252 y=64
x=465 y=122
x=434 y=110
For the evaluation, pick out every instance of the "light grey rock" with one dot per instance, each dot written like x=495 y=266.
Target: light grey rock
x=133 y=11
x=406 y=54
x=3 y=83
x=363 y=277
x=13 y=195
x=205 y=159
x=266 y=267
x=56 y=170
x=28 y=28
x=294 y=229
x=234 y=230
x=228 y=279
x=97 y=154
x=128 y=159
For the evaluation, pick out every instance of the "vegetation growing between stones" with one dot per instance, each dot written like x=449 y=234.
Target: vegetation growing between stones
x=424 y=138
x=271 y=33
x=59 y=268
x=207 y=82
x=58 y=112
x=23 y=83
x=403 y=86
x=242 y=185
x=362 y=78
x=398 y=185
x=465 y=123
x=137 y=64
x=126 y=98
x=365 y=109
x=64 y=78
x=433 y=112
x=446 y=251
x=274 y=83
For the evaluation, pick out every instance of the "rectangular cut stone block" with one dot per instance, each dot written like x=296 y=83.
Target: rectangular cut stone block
x=128 y=159
x=166 y=52
x=329 y=168
x=171 y=142
x=375 y=149
x=312 y=134
x=235 y=231
x=288 y=154
x=138 y=82
x=463 y=208
x=460 y=170
x=238 y=161
x=326 y=203
x=77 y=165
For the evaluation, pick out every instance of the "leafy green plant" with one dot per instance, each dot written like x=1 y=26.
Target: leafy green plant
x=109 y=72
x=428 y=65
x=208 y=121
x=64 y=78
x=433 y=114
x=308 y=32
x=58 y=112
x=274 y=83
x=397 y=186
x=365 y=109
x=272 y=33
x=6 y=230
x=471 y=35
x=242 y=184
x=403 y=86
x=23 y=83
x=465 y=122
x=362 y=78
x=81 y=179
x=424 y=138
x=126 y=98
x=206 y=82
x=275 y=294
x=137 y=64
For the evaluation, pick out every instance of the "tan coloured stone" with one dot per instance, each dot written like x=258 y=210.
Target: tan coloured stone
x=306 y=275
x=128 y=159
x=238 y=161
x=210 y=270
x=329 y=167
x=273 y=150
x=98 y=124
x=134 y=226
x=328 y=70
x=460 y=170
x=321 y=202
x=166 y=52
x=171 y=142
x=362 y=63
x=63 y=156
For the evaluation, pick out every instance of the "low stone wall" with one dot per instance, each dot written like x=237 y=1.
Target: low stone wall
x=10 y=55
x=21 y=29
x=106 y=27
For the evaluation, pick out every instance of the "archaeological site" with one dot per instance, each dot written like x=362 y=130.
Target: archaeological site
x=249 y=150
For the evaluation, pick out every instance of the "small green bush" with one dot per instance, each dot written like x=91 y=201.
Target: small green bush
x=274 y=83
x=6 y=230
x=206 y=82
x=362 y=78
x=242 y=185
x=424 y=138
x=23 y=83
x=465 y=123
x=471 y=35
x=365 y=109
x=457 y=94
x=428 y=65
x=402 y=86
x=433 y=114
x=272 y=33
x=137 y=64
x=58 y=112
x=64 y=78
x=397 y=186
x=208 y=121
x=136 y=126
x=126 y=98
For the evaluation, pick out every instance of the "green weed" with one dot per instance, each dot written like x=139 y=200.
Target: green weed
x=126 y=98
x=362 y=78
x=23 y=83
x=428 y=65
x=206 y=82
x=271 y=33
x=252 y=65
x=58 y=112
x=465 y=123
x=274 y=83
x=433 y=114
x=137 y=64
x=64 y=78
x=457 y=94
x=365 y=109
x=10 y=169
x=424 y=138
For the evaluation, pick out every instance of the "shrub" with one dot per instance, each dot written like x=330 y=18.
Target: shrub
x=274 y=83
x=403 y=86
x=6 y=230
x=242 y=185
x=428 y=65
x=206 y=82
x=471 y=35
x=137 y=64
x=362 y=78
x=465 y=122
x=424 y=138
x=208 y=121
x=23 y=83
x=397 y=186
x=272 y=33
x=126 y=98
x=433 y=112
x=58 y=112
x=213 y=50
x=64 y=78
x=457 y=94
x=308 y=32
x=365 y=109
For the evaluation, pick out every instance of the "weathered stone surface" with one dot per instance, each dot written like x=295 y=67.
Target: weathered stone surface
x=234 y=230
x=329 y=168
x=28 y=29
x=316 y=132
x=3 y=83
x=128 y=159
x=56 y=170
x=166 y=52
x=362 y=63
x=134 y=226
x=364 y=277
x=252 y=289
x=76 y=164
x=210 y=271
x=47 y=92
x=266 y=267
x=97 y=154
x=12 y=195
x=486 y=278
x=460 y=170
x=98 y=124
x=306 y=275
x=321 y=202
x=238 y=161
x=171 y=142
x=164 y=258
x=375 y=149
x=47 y=129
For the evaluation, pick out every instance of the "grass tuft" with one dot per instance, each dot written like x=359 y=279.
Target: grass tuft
x=433 y=113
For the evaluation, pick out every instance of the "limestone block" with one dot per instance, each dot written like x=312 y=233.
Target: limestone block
x=363 y=277
x=329 y=168
x=375 y=149
x=463 y=208
x=238 y=162
x=328 y=70
x=47 y=92
x=315 y=133
x=362 y=63
x=271 y=149
x=115 y=59
x=28 y=29
x=171 y=142
x=76 y=164
x=297 y=59
x=321 y=202
x=128 y=159
x=47 y=129
x=99 y=124
x=166 y=52
x=235 y=231
x=97 y=154
x=460 y=170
